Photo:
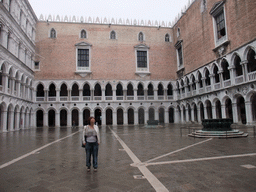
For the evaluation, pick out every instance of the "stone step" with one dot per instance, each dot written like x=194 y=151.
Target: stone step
x=218 y=134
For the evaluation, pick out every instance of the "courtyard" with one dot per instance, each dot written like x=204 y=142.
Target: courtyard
x=131 y=158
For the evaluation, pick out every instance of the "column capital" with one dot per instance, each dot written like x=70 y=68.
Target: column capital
x=245 y=62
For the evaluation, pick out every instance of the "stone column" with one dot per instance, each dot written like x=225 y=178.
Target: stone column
x=182 y=116
x=23 y=120
x=145 y=94
x=17 y=121
x=223 y=111
x=33 y=119
x=114 y=118
x=192 y=114
x=80 y=94
x=245 y=70
x=187 y=114
x=197 y=86
x=135 y=94
x=165 y=94
x=18 y=87
x=125 y=94
x=155 y=95
x=114 y=94
x=5 y=82
x=69 y=94
x=212 y=81
x=46 y=119
x=92 y=94
x=220 y=72
x=57 y=95
x=248 y=111
x=81 y=122
x=103 y=113
x=12 y=85
x=57 y=119
x=199 y=115
x=136 y=118
x=205 y=112
x=214 y=115
x=176 y=116
x=46 y=94
x=166 y=116
x=103 y=93
x=69 y=118
x=125 y=118
x=4 y=121
x=232 y=74
x=235 y=113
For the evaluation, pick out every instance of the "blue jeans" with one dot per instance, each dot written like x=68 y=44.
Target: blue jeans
x=92 y=150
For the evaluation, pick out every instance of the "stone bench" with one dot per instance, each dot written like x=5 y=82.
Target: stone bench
x=217 y=124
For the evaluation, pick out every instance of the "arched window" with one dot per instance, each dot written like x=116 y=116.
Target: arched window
x=200 y=80
x=63 y=90
x=193 y=83
x=140 y=90
x=150 y=89
x=160 y=90
x=40 y=90
x=167 y=38
x=251 y=58
x=216 y=75
x=238 y=66
x=52 y=90
x=170 y=90
x=207 y=78
x=83 y=34
x=226 y=74
x=141 y=36
x=130 y=90
x=112 y=35
x=53 y=33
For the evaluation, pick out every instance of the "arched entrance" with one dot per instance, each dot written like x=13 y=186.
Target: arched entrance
x=109 y=117
x=130 y=116
x=161 y=115
x=218 y=110
x=209 y=109
x=97 y=115
x=86 y=115
x=39 y=118
x=171 y=115
x=63 y=118
x=141 y=116
x=241 y=110
x=228 y=109
x=120 y=117
x=75 y=117
x=51 y=118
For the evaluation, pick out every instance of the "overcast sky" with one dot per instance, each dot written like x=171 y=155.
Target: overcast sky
x=160 y=10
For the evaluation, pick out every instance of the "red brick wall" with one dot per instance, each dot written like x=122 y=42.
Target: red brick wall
x=111 y=59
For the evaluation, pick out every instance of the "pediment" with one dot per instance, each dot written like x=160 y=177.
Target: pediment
x=83 y=44
x=216 y=6
x=141 y=46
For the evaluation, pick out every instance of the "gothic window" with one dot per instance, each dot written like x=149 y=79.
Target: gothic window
x=220 y=23
x=141 y=36
x=167 y=38
x=36 y=65
x=200 y=80
x=53 y=33
x=83 y=34
x=238 y=66
x=112 y=35
x=216 y=75
x=226 y=74
x=207 y=78
x=251 y=58
x=170 y=89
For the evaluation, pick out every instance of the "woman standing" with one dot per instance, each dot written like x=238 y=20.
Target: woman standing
x=91 y=140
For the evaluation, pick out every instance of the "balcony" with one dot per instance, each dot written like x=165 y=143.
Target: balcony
x=108 y=98
x=208 y=88
x=39 y=98
x=161 y=97
x=252 y=75
x=227 y=83
x=119 y=98
x=129 y=98
x=51 y=99
x=170 y=97
x=217 y=86
x=141 y=98
x=239 y=79
x=97 y=98
x=64 y=98
x=86 y=98
x=151 y=97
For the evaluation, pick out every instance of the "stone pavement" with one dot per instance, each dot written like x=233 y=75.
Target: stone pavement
x=51 y=159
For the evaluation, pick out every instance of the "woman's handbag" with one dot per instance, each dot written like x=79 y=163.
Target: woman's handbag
x=83 y=145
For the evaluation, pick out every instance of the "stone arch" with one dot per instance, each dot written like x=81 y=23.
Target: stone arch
x=246 y=52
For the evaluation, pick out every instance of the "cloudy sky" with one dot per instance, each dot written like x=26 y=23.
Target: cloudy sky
x=160 y=10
